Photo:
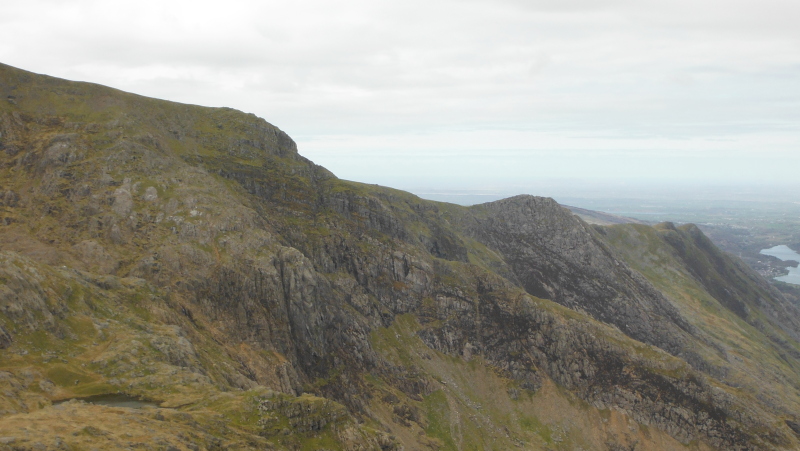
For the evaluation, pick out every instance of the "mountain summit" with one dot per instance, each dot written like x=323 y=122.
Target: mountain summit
x=180 y=277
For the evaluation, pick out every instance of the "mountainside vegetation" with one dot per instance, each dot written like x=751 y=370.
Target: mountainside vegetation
x=190 y=258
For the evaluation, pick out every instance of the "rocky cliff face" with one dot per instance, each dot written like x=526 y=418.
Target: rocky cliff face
x=191 y=256
x=554 y=255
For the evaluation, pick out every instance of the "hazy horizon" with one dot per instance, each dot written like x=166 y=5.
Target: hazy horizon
x=468 y=95
x=582 y=193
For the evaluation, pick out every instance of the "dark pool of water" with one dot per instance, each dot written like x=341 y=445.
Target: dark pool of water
x=114 y=400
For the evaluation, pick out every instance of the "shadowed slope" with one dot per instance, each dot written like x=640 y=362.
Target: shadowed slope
x=285 y=281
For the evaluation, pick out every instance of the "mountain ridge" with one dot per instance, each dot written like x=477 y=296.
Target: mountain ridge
x=600 y=217
x=301 y=310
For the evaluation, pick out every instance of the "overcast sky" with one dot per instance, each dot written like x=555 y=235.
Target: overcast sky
x=467 y=94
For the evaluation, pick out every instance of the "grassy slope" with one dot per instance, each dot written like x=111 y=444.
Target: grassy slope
x=473 y=406
x=467 y=400
x=118 y=339
x=748 y=357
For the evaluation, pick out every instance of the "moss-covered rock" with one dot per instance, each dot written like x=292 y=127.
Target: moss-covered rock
x=191 y=257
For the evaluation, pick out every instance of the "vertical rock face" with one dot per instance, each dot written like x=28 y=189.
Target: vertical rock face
x=243 y=266
x=5 y=338
x=554 y=255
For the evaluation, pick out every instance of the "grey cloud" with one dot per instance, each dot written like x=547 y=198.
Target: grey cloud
x=610 y=70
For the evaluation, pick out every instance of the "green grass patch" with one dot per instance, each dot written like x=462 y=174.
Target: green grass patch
x=82 y=326
x=397 y=341
x=95 y=388
x=438 y=414
x=532 y=424
x=65 y=376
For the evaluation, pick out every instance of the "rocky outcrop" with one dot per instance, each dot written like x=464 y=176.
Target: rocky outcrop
x=256 y=268
x=5 y=338
x=528 y=342
x=556 y=256
x=24 y=299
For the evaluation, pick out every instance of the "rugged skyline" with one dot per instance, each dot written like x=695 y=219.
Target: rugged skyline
x=191 y=258
x=462 y=95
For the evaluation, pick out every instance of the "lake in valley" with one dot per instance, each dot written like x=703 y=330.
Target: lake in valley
x=785 y=253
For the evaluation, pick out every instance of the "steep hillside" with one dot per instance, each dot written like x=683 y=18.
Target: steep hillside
x=189 y=256
x=750 y=329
